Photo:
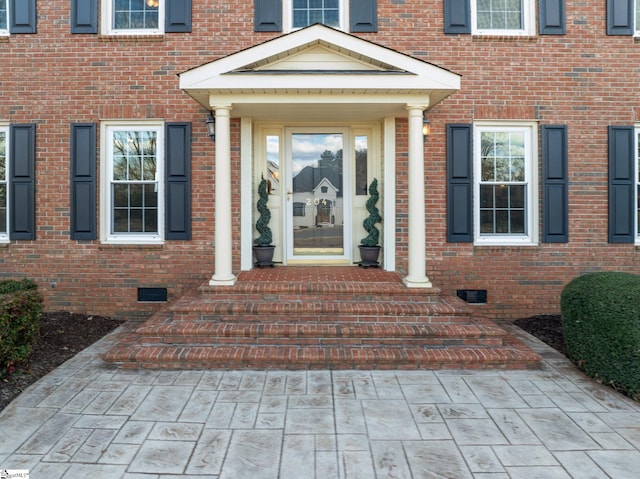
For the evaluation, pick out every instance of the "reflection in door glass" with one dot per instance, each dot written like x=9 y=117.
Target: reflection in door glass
x=318 y=219
x=361 y=165
x=273 y=164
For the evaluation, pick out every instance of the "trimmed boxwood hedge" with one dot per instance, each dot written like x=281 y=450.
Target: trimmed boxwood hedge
x=601 y=326
x=20 y=309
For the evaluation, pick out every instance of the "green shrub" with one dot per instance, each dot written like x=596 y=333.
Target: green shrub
x=601 y=326
x=20 y=308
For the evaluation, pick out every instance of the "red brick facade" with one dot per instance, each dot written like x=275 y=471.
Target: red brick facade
x=584 y=79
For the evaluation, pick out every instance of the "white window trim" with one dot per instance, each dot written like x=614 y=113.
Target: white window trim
x=4 y=32
x=287 y=13
x=106 y=149
x=107 y=18
x=531 y=167
x=529 y=25
x=4 y=127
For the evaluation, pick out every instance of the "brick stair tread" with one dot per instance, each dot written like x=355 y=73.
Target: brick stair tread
x=300 y=357
x=304 y=330
x=202 y=306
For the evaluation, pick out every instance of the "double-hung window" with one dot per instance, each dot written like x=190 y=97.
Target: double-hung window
x=4 y=17
x=133 y=17
x=302 y=13
x=4 y=173
x=502 y=17
x=505 y=184
x=133 y=169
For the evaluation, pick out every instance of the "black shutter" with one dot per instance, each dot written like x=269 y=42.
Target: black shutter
x=457 y=16
x=177 y=16
x=555 y=195
x=83 y=181
x=364 y=15
x=268 y=16
x=621 y=184
x=84 y=16
x=23 y=16
x=619 y=17
x=552 y=17
x=459 y=183
x=178 y=181
x=22 y=182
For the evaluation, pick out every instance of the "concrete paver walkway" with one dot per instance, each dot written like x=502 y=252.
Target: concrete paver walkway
x=88 y=420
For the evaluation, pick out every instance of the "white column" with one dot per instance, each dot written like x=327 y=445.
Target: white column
x=417 y=277
x=223 y=274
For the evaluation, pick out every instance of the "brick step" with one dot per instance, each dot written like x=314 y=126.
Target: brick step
x=300 y=357
x=311 y=309
x=321 y=334
x=319 y=318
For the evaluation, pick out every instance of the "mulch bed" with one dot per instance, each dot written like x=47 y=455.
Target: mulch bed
x=63 y=335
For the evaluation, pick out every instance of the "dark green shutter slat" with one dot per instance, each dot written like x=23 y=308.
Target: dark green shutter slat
x=84 y=16
x=22 y=182
x=552 y=17
x=459 y=183
x=178 y=181
x=620 y=17
x=555 y=194
x=23 y=16
x=364 y=15
x=457 y=16
x=178 y=16
x=621 y=184
x=83 y=181
x=268 y=15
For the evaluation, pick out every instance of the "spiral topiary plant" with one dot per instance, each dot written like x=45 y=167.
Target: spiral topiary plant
x=262 y=225
x=374 y=217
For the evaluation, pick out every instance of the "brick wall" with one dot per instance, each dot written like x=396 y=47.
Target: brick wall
x=583 y=79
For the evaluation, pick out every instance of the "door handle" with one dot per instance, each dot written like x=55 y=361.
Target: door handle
x=289 y=193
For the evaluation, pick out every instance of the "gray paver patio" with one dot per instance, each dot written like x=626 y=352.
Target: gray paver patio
x=87 y=419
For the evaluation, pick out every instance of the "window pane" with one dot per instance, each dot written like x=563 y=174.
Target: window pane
x=488 y=169
x=502 y=222
x=135 y=14
x=517 y=222
x=500 y=14
x=135 y=196
x=121 y=196
x=3 y=14
x=486 y=196
x=517 y=196
x=361 y=165
x=120 y=221
x=486 y=222
x=517 y=169
x=151 y=196
x=502 y=169
x=135 y=168
x=3 y=155
x=3 y=208
x=135 y=221
x=149 y=169
x=150 y=221
x=502 y=197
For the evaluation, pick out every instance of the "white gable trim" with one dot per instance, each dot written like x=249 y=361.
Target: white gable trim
x=366 y=73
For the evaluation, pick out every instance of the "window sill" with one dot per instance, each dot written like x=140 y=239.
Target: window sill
x=112 y=37
x=131 y=246
x=485 y=37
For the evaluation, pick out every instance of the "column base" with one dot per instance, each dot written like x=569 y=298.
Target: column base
x=223 y=280
x=417 y=282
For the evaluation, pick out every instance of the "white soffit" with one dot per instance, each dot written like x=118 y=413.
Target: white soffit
x=316 y=65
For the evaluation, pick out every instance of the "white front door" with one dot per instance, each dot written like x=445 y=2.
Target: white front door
x=317 y=196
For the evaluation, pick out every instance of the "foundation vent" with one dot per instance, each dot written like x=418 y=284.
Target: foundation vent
x=152 y=294
x=473 y=296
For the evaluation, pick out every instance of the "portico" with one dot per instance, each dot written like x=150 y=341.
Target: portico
x=333 y=82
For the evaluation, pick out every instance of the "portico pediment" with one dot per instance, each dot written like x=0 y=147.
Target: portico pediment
x=318 y=65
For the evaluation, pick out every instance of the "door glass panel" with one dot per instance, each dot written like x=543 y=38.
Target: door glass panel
x=361 y=165
x=317 y=190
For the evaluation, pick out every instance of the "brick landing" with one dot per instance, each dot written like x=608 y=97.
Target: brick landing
x=319 y=318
